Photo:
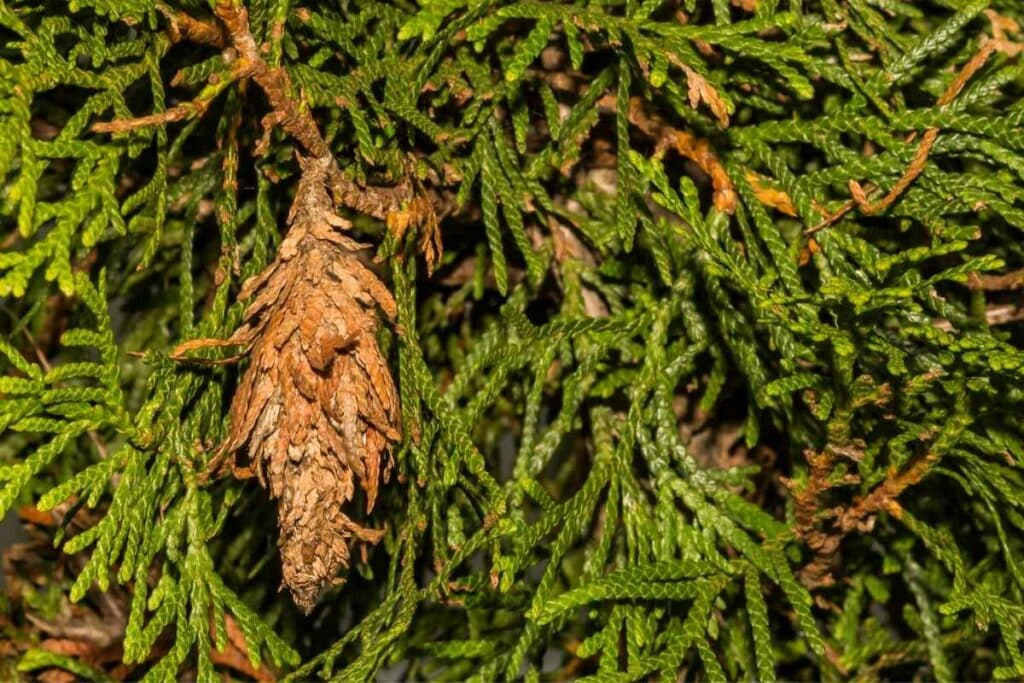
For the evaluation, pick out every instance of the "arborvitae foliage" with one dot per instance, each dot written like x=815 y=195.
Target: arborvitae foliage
x=719 y=375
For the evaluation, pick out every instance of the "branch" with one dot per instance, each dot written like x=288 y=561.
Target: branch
x=196 y=107
x=400 y=206
x=1006 y=282
x=860 y=516
x=288 y=111
x=917 y=164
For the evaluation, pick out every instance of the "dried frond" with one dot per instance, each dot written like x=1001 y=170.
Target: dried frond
x=698 y=89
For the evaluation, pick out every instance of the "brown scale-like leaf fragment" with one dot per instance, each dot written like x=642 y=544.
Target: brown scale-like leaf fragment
x=316 y=411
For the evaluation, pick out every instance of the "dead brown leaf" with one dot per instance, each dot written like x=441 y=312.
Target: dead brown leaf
x=698 y=150
x=698 y=89
x=418 y=213
x=771 y=196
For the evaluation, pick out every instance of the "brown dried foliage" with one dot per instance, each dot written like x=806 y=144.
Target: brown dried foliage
x=811 y=517
x=770 y=196
x=698 y=150
x=418 y=212
x=698 y=89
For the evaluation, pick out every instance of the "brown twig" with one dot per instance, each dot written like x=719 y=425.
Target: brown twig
x=830 y=218
x=809 y=515
x=917 y=164
x=182 y=26
x=377 y=202
x=1007 y=282
x=172 y=115
x=288 y=112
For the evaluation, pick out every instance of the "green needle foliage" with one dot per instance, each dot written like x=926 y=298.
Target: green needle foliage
x=679 y=400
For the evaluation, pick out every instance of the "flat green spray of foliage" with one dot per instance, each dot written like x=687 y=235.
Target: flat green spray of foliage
x=604 y=382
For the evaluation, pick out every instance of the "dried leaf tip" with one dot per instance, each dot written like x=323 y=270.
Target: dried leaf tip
x=317 y=411
x=418 y=212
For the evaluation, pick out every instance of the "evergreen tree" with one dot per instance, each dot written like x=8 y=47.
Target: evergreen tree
x=507 y=339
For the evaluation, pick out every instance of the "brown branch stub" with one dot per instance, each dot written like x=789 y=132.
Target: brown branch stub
x=828 y=218
x=182 y=351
